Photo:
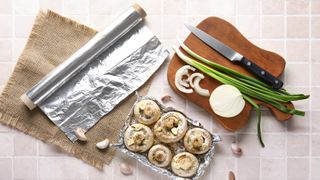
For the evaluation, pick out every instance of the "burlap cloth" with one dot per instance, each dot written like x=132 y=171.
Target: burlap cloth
x=52 y=40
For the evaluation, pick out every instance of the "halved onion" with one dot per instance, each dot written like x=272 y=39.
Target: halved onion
x=226 y=101
x=179 y=82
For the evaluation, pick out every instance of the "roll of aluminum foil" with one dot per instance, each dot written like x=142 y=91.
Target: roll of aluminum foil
x=204 y=159
x=112 y=65
x=85 y=55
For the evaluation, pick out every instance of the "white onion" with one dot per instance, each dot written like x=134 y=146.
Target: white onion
x=201 y=91
x=193 y=79
x=226 y=101
x=180 y=84
x=192 y=76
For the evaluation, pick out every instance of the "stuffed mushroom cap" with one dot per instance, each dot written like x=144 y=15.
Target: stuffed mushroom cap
x=184 y=164
x=171 y=127
x=138 y=138
x=197 y=141
x=147 y=112
x=160 y=155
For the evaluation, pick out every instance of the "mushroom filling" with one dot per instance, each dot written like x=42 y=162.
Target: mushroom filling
x=172 y=124
x=138 y=138
x=197 y=141
x=160 y=156
x=146 y=112
x=185 y=162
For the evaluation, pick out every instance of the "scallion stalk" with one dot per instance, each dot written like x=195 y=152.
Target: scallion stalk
x=249 y=87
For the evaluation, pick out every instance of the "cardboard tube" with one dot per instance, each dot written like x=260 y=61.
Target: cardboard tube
x=27 y=101
x=139 y=10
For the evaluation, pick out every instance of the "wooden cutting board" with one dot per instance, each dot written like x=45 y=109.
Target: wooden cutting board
x=229 y=35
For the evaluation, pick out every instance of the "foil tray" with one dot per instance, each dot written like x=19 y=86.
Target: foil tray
x=204 y=159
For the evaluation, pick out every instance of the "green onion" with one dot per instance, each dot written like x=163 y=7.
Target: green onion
x=249 y=87
x=249 y=80
x=256 y=106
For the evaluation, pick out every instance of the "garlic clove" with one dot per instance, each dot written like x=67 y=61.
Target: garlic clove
x=166 y=98
x=125 y=169
x=232 y=176
x=103 y=144
x=235 y=148
x=80 y=133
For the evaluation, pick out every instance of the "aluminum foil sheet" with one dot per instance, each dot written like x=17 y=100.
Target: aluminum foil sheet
x=203 y=159
x=111 y=66
x=84 y=56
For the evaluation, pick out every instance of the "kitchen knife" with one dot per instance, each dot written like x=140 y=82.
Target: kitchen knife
x=234 y=56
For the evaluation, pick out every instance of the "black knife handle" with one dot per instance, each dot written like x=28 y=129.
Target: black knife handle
x=261 y=73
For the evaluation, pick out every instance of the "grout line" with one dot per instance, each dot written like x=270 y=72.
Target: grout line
x=310 y=90
x=162 y=89
x=260 y=42
x=286 y=123
x=87 y=19
x=266 y=15
x=227 y=156
x=12 y=60
x=257 y=38
x=204 y=15
x=236 y=134
x=37 y=158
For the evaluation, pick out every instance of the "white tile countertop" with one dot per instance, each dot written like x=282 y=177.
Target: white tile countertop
x=288 y=27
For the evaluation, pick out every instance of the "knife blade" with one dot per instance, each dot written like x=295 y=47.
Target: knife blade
x=234 y=56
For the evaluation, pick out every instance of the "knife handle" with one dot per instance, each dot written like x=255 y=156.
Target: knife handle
x=261 y=73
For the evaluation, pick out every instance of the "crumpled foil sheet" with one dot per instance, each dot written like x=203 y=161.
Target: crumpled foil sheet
x=203 y=159
x=112 y=76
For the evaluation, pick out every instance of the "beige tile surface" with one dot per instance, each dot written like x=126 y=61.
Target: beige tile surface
x=273 y=169
x=315 y=26
x=315 y=173
x=6 y=26
x=6 y=168
x=246 y=25
x=298 y=27
x=25 y=168
x=297 y=6
x=315 y=53
x=290 y=28
x=6 y=141
x=248 y=168
x=273 y=6
x=24 y=145
x=298 y=145
x=6 y=7
x=298 y=168
x=296 y=50
x=272 y=26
